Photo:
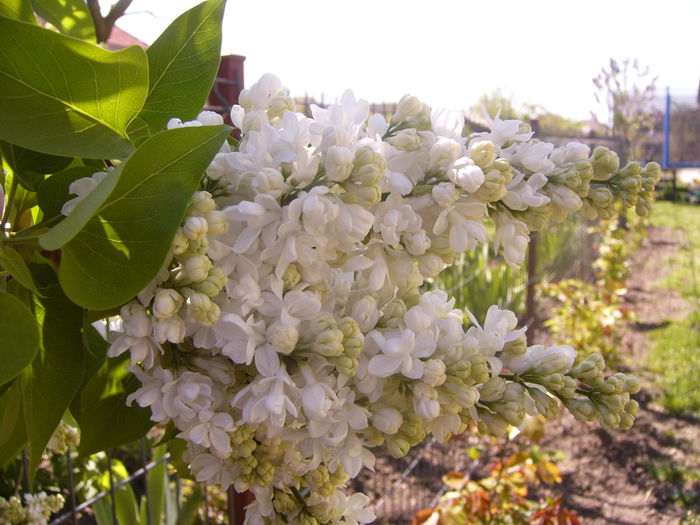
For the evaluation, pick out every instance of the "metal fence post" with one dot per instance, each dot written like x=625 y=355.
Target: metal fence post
x=531 y=280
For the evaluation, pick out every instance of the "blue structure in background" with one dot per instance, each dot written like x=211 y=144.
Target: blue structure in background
x=669 y=162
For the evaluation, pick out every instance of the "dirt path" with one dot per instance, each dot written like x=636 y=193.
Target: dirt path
x=607 y=475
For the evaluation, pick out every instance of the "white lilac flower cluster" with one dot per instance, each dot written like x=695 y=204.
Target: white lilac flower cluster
x=289 y=334
x=36 y=510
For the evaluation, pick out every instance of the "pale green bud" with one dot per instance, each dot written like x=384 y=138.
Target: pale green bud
x=201 y=307
x=493 y=389
x=218 y=225
x=279 y=105
x=516 y=347
x=643 y=208
x=605 y=163
x=387 y=420
x=480 y=368
x=482 y=153
x=631 y=384
x=329 y=343
x=492 y=424
x=365 y=196
x=283 y=338
x=195 y=268
x=213 y=284
x=653 y=171
x=583 y=409
x=392 y=314
x=291 y=276
x=610 y=420
x=180 y=242
x=202 y=203
x=373 y=436
x=345 y=364
x=631 y=407
x=195 y=228
x=631 y=169
x=406 y=140
x=166 y=302
x=544 y=403
x=554 y=382
x=626 y=421
x=597 y=359
x=434 y=372
x=409 y=106
x=397 y=446
x=461 y=369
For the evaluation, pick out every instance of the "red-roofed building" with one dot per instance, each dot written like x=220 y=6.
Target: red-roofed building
x=119 y=39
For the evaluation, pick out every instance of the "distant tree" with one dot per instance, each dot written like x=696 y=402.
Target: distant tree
x=496 y=101
x=628 y=90
x=105 y=24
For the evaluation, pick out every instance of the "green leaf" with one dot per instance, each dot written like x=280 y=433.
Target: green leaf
x=12 y=433
x=53 y=192
x=17 y=9
x=51 y=381
x=63 y=96
x=95 y=355
x=186 y=54
x=12 y=261
x=70 y=17
x=30 y=166
x=20 y=337
x=127 y=240
x=158 y=484
x=68 y=228
x=105 y=419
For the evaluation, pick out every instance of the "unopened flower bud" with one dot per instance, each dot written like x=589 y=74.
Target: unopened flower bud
x=482 y=152
x=338 y=163
x=180 y=242
x=166 y=302
x=217 y=223
x=409 y=106
x=434 y=372
x=582 y=409
x=387 y=420
x=195 y=228
x=397 y=446
x=406 y=140
x=605 y=163
x=493 y=389
x=365 y=196
x=196 y=268
x=283 y=337
x=202 y=203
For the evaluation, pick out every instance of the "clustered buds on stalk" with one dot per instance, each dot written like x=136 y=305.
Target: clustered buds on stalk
x=288 y=334
x=36 y=510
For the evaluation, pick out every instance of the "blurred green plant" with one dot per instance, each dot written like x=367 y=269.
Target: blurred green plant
x=591 y=315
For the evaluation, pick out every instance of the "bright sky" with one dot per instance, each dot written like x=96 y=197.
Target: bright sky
x=449 y=52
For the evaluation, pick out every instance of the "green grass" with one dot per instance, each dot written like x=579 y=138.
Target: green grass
x=684 y=278
x=675 y=354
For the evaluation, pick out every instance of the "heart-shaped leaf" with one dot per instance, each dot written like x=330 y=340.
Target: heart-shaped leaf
x=63 y=96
